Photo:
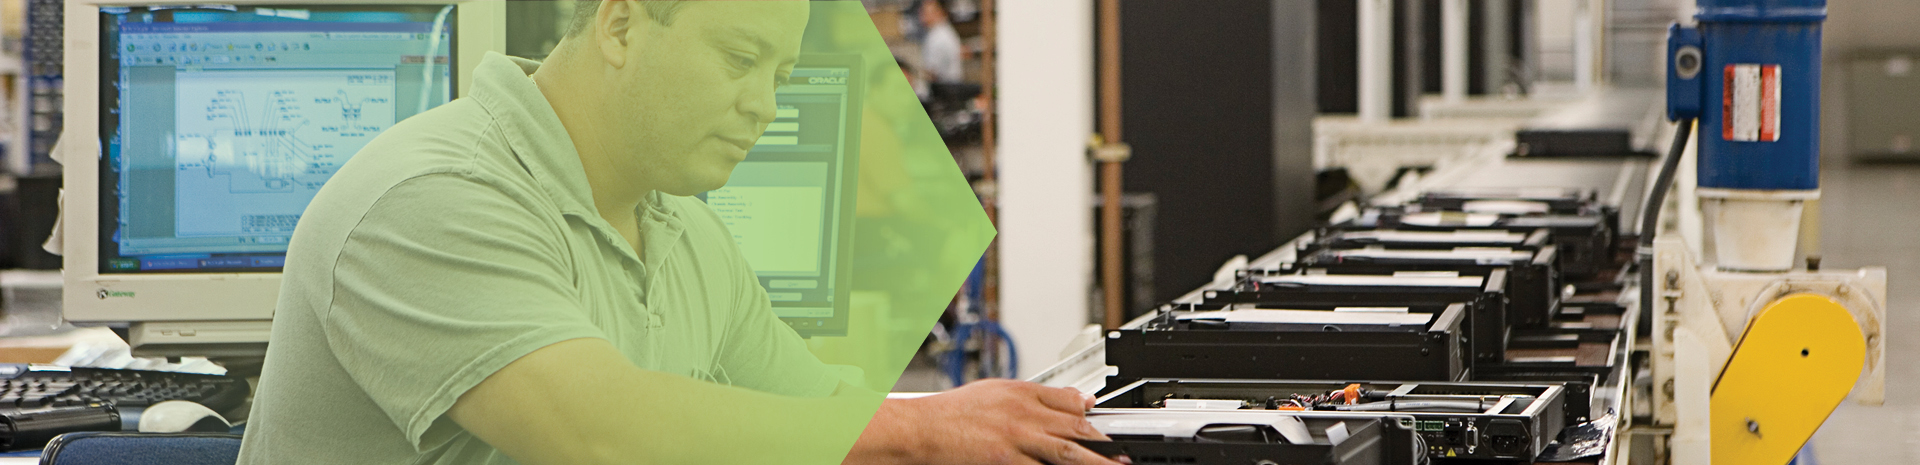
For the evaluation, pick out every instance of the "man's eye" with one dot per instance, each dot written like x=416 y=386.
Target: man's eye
x=745 y=62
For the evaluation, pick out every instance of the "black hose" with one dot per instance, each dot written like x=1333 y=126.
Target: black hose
x=1650 y=212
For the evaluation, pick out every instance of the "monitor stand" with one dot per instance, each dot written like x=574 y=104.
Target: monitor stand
x=217 y=340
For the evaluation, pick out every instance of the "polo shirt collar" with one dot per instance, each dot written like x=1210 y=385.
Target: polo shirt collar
x=503 y=85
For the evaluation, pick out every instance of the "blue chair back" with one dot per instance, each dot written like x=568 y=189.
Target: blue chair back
x=128 y=448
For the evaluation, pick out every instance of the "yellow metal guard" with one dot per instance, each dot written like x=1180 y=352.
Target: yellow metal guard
x=1797 y=360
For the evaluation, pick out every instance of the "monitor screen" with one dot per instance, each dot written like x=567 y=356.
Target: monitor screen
x=219 y=124
x=790 y=204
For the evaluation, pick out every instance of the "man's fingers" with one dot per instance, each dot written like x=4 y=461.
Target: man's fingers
x=1093 y=434
x=1069 y=426
x=1057 y=451
x=1025 y=459
x=1063 y=399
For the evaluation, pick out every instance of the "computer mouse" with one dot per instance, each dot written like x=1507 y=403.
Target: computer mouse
x=179 y=416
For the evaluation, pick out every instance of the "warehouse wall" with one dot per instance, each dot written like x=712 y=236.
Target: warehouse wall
x=1855 y=26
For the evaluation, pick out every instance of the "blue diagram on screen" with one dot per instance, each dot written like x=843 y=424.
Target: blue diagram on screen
x=254 y=147
x=228 y=122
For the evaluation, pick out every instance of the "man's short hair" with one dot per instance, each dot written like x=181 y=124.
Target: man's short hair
x=583 y=10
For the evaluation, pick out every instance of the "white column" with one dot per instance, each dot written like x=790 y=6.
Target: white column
x=1376 y=60
x=1046 y=88
x=1585 y=45
x=1453 y=50
x=1496 y=45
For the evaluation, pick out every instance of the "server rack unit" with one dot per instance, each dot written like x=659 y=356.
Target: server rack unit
x=1533 y=277
x=1486 y=302
x=1501 y=421
x=46 y=64
x=1194 y=344
x=1586 y=241
x=1242 y=438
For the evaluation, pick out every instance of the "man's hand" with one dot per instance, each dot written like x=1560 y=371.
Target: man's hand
x=986 y=422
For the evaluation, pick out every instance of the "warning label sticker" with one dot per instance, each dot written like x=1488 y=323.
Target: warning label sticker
x=1751 y=110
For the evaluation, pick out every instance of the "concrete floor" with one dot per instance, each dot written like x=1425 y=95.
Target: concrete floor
x=1871 y=217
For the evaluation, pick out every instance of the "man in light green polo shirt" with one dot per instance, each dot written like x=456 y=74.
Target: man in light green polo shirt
x=519 y=277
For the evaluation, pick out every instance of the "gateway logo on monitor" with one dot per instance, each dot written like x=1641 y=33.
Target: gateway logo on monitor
x=104 y=294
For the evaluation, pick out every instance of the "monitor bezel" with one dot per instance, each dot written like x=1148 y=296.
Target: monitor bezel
x=849 y=167
x=90 y=297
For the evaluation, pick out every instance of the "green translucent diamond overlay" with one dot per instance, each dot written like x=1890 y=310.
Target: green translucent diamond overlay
x=918 y=228
x=540 y=236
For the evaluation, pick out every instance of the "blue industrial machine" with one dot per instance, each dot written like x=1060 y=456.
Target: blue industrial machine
x=1750 y=73
x=1743 y=327
x=1758 y=82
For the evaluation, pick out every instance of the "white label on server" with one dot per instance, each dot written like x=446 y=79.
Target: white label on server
x=1751 y=110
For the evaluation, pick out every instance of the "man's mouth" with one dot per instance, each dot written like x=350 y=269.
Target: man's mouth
x=745 y=144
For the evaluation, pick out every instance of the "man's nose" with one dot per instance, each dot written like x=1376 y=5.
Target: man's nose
x=760 y=105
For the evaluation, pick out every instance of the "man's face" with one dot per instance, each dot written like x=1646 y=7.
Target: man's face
x=697 y=94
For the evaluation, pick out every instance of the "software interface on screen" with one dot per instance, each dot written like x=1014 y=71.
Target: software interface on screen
x=787 y=203
x=220 y=124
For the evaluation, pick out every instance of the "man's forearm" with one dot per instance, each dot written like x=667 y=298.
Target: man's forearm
x=580 y=402
x=892 y=437
x=700 y=422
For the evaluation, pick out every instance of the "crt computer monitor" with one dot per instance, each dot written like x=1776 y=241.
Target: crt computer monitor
x=196 y=135
x=216 y=126
x=790 y=204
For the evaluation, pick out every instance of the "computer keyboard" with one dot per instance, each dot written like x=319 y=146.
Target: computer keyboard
x=28 y=387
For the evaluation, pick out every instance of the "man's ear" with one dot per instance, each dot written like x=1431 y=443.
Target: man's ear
x=614 y=29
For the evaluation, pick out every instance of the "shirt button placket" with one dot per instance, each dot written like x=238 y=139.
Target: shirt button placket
x=654 y=320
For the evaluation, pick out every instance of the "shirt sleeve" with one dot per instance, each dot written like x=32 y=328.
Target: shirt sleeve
x=446 y=280
x=764 y=354
x=759 y=351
